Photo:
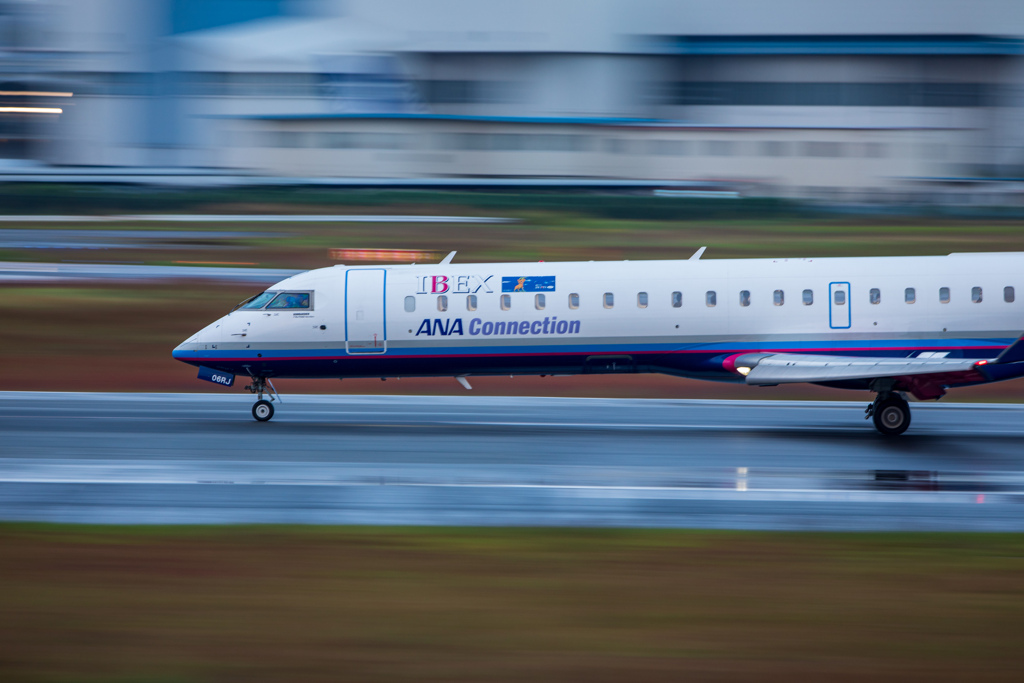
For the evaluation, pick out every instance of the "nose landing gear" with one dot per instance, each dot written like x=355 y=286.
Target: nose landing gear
x=263 y=410
x=890 y=413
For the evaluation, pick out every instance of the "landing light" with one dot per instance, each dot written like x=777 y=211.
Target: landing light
x=743 y=371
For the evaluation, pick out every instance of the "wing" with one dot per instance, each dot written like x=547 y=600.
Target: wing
x=925 y=376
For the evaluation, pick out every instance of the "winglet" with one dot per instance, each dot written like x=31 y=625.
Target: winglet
x=1014 y=353
x=447 y=259
x=697 y=254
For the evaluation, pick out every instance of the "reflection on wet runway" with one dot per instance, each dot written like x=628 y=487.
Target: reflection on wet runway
x=151 y=458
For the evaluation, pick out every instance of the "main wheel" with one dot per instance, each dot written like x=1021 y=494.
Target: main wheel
x=892 y=416
x=263 y=410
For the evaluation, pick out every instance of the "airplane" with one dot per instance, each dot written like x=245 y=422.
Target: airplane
x=892 y=326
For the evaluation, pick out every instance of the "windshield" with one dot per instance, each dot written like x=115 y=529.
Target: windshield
x=291 y=300
x=258 y=301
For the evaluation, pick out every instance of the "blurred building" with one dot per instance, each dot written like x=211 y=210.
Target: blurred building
x=868 y=101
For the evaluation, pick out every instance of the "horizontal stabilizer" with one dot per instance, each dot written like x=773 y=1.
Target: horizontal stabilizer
x=1014 y=353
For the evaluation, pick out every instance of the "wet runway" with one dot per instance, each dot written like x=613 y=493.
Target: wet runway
x=254 y=218
x=121 y=239
x=468 y=460
x=26 y=272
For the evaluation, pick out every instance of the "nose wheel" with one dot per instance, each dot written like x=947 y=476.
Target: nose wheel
x=263 y=410
x=891 y=414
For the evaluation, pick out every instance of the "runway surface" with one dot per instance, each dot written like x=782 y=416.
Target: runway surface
x=200 y=458
x=254 y=218
x=26 y=272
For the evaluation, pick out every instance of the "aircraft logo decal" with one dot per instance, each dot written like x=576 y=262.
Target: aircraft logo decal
x=442 y=327
x=455 y=284
x=545 y=283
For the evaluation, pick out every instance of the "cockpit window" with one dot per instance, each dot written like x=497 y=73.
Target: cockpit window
x=290 y=300
x=258 y=301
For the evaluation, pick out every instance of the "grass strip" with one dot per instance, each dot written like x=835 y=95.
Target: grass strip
x=272 y=603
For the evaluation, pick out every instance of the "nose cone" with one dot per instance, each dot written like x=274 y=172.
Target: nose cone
x=188 y=350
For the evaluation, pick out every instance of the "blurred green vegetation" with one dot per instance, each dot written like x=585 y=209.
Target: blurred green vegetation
x=549 y=236
x=49 y=198
x=100 y=199
x=272 y=603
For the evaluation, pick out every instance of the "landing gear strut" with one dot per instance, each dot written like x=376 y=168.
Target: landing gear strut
x=890 y=413
x=263 y=410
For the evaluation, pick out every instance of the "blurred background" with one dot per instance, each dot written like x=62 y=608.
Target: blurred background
x=873 y=101
x=208 y=137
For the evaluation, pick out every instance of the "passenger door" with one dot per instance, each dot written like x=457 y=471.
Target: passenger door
x=365 y=327
x=839 y=305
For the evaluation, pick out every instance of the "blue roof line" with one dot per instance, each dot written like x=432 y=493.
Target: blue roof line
x=579 y=120
x=592 y=121
x=896 y=44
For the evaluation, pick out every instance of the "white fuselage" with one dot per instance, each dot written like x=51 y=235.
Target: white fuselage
x=680 y=317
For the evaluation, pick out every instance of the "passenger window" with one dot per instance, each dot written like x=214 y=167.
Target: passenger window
x=539 y=301
x=909 y=295
x=677 y=299
x=976 y=294
x=744 y=298
x=609 y=299
x=641 y=300
x=471 y=302
x=410 y=304
x=290 y=300
x=506 y=302
x=809 y=297
x=442 y=303
x=711 y=299
x=943 y=295
x=1008 y=296
x=258 y=301
x=839 y=297
x=778 y=298
x=875 y=296
x=574 y=301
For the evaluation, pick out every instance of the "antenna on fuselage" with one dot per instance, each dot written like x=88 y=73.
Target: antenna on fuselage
x=447 y=259
x=696 y=255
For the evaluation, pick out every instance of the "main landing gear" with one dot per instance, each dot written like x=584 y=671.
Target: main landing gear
x=263 y=410
x=890 y=413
